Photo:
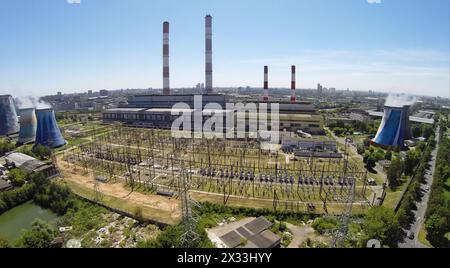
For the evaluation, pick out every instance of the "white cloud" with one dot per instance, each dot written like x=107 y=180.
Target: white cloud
x=73 y=2
x=374 y=1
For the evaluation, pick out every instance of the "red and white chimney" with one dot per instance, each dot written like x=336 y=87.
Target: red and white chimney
x=166 y=80
x=293 y=95
x=266 y=83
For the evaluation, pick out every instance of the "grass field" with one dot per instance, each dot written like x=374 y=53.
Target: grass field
x=423 y=237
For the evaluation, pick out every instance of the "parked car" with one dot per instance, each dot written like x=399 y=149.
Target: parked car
x=410 y=235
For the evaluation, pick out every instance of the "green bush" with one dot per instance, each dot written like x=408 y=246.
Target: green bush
x=17 y=177
x=40 y=236
x=325 y=225
x=16 y=197
x=4 y=243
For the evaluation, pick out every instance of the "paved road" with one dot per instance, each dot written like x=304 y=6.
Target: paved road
x=422 y=205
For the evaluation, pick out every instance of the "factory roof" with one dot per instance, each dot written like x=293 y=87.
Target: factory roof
x=126 y=110
x=421 y=120
x=254 y=234
x=168 y=110
x=18 y=158
x=265 y=239
x=182 y=95
x=411 y=118
x=24 y=162
x=216 y=111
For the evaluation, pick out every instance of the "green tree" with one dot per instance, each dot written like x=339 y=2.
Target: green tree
x=437 y=227
x=42 y=152
x=388 y=155
x=40 y=235
x=4 y=243
x=17 y=177
x=394 y=173
x=371 y=162
x=416 y=130
x=380 y=223
x=6 y=146
x=427 y=130
x=411 y=160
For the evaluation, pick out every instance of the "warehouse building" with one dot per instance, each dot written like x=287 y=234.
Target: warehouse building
x=156 y=111
x=29 y=164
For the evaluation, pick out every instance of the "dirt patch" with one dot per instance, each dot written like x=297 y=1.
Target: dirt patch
x=165 y=207
x=302 y=233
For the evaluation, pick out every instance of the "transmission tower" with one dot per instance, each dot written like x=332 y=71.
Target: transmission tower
x=190 y=235
x=342 y=231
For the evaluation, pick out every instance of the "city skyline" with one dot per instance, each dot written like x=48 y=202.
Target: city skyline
x=73 y=46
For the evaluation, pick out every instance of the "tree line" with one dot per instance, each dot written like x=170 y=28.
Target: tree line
x=438 y=211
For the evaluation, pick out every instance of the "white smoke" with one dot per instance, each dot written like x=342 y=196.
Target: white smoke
x=400 y=100
x=32 y=102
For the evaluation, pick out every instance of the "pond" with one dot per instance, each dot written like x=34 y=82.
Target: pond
x=20 y=218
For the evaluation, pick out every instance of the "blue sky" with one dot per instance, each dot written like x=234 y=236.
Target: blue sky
x=391 y=46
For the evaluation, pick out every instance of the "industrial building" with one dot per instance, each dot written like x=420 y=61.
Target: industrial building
x=29 y=164
x=394 y=128
x=252 y=234
x=159 y=111
x=9 y=122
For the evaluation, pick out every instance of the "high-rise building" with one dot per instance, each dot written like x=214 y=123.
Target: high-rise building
x=319 y=89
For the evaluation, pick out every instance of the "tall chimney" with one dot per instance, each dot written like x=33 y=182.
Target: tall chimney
x=208 y=54
x=293 y=96
x=266 y=83
x=166 y=81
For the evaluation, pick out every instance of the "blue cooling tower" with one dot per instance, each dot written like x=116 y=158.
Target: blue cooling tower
x=28 y=126
x=48 y=133
x=9 y=123
x=394 y=127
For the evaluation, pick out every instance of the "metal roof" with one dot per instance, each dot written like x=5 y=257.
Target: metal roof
x=243 y=232
x=266 y=239
x=168 y=110
x=125 y=110
x=24 y=162
x=258 y=225
x=411 y=118
x=18 y=158
x=231 y=239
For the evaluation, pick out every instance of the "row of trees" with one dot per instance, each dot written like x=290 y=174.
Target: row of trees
x=341 y=128
x=405 y=215
x=405 y=166
x=16 y=197
x=438 y=210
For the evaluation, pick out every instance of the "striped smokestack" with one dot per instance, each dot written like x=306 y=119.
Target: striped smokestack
x=166 y=81
x=266 y=83
x=293 y=96
x=208 y=54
